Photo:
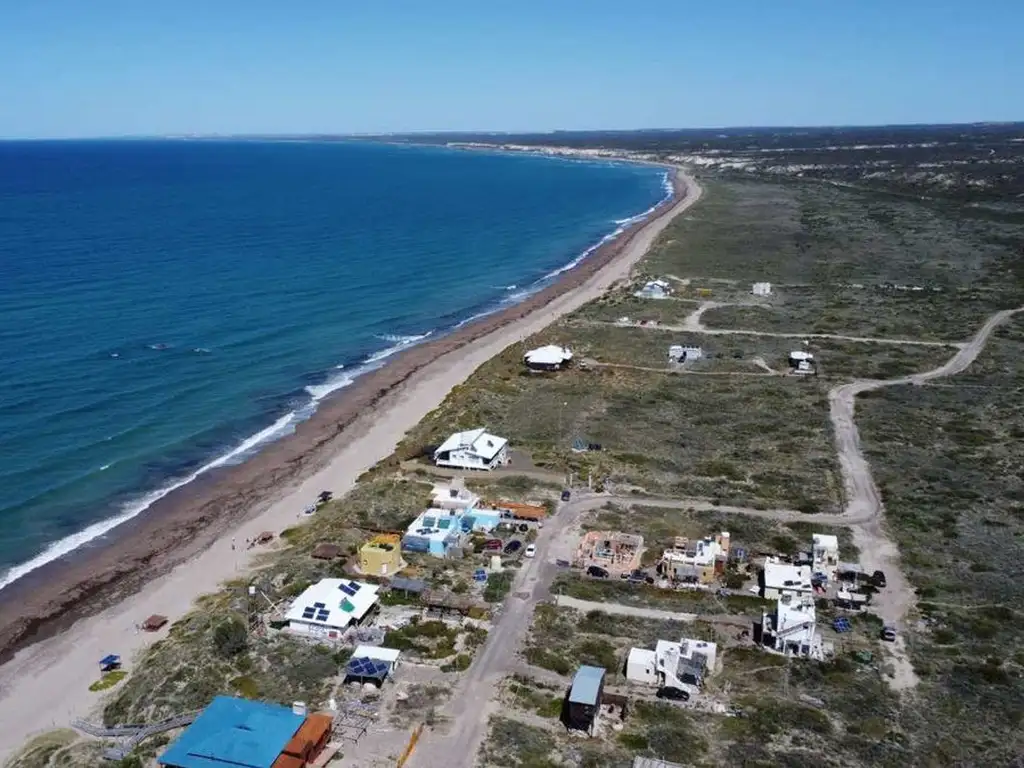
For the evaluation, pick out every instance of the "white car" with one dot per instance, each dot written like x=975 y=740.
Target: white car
x=531 y=550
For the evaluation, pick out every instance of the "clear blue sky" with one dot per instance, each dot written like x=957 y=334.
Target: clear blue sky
x=108 y=67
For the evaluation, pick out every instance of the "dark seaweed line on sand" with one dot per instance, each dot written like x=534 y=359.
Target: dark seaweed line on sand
x=190 y=519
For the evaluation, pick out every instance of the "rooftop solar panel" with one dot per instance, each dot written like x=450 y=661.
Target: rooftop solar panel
x=307 y=613
x=346 y=588
x=363 y=667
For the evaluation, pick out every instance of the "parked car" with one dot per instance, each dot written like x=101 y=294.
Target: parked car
x=513 y=546
x=493 y=545
x=566 y=495
x=888 y=634
x=530 y=551
x=597 y=572
x=878 y=579
x=673 y=694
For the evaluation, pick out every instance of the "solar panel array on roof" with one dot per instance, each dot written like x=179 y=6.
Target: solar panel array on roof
x=349 y=588
x=363 y=667
x=322 y=614
x=308 y=612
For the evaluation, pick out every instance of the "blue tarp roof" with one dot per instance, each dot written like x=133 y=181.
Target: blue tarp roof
x=112 y=658
x=586 y=684
x=234 y=732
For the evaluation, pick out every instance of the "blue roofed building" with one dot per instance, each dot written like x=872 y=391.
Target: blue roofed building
x=584 y=700
x=234 y=733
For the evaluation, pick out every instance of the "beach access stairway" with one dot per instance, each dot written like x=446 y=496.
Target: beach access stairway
x=132 y=735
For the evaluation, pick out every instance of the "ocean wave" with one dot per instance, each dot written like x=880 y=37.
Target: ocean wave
x=286 y=424
x=283 y=426
x=132 y=509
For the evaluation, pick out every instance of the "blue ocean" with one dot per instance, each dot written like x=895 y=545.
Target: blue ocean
x=171 y=306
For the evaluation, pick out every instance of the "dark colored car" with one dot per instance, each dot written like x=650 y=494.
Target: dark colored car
x=566 y=495
x=878 y=579
x=513 y=546
x=673 y=694
x=597 y=572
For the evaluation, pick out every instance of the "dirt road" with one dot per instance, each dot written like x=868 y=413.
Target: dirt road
x=864 y=502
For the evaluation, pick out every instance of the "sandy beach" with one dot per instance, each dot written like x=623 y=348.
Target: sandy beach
x=56 y=623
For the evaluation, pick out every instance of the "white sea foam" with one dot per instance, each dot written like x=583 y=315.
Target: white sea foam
x=132 y=509
x=285 y=425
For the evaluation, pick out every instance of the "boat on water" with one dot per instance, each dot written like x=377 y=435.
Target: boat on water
x=160 y=347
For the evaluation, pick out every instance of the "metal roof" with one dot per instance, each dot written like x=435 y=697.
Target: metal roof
x=407 y=585
x=586 y=685
x=235 y=732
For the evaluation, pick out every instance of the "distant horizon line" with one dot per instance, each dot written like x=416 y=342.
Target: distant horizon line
x=495 y=133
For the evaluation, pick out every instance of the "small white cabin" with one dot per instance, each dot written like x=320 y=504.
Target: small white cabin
x=549 y=358
x=761 y=289
x=679 y=353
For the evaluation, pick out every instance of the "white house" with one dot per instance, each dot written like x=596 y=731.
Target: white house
x=472 y=449
x=785 y=578
x=761 y=289
x=655 y=289
x=453 y=495
x=825 y=554
x=696 y=561
x=671 y=664
x=792 y=629
x=679 y=353
x=327 y=608
x=549 y=358
x=801 y=362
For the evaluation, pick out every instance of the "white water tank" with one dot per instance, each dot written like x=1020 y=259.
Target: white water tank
x=495 y=563
x=299 y=708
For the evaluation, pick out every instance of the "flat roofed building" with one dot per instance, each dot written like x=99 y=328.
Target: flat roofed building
x=436 y=532
x=782 y=578
x=825 y=554
x=327 y=608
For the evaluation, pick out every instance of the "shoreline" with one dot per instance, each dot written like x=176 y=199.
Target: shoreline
x=179 y=548
x=107 y=530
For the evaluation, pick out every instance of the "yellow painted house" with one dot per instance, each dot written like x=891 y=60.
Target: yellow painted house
x=381 y=555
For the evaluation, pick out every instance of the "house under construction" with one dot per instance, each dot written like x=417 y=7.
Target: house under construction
x=614 y=551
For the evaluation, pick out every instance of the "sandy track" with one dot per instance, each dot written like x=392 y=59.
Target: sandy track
x=864 y=502
x=693 y=323
x=46 y=685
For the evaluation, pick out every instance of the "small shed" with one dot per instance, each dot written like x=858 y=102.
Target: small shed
x=110 y=662
x=584 y=698
x=371 y=664
x=407 y=586
x=154 y=623
x=326 y=551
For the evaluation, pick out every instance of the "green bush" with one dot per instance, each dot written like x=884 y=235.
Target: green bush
x=230 y=638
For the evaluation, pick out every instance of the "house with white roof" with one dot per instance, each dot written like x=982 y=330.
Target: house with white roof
x=785 y=578
x=655 y=289
x=453 y=495
x=825 y=554
x=761 y=289
x=549 y=358
x=696 y=561
x=680 y=353
x=330 y=606
x=472 y=449
x=792 y=628
x=673 y=665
